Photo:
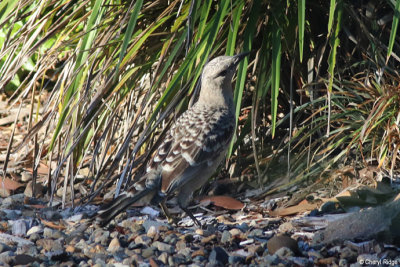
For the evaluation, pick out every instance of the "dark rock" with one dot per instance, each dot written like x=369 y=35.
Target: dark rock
x=51 y=215
x=189 y=238
x=236 y=260
x=277 y=242
x=24 y=259
x=218 y=256
x=58 y=255
x=4 y=247
x=243 y=227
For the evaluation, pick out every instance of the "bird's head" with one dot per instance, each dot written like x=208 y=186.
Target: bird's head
x=218 y=73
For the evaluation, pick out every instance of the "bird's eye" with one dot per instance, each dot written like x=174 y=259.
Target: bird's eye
x=222 y=73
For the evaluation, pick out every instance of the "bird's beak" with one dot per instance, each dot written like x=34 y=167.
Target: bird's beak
x=240 y=57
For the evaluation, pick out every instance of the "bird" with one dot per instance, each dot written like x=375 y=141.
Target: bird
x=192 y=149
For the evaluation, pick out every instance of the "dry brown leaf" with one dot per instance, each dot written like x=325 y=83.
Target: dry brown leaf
x=303 y=206
x=225 y=202
x=42 y=169
x=9 y=184
x=53 y=225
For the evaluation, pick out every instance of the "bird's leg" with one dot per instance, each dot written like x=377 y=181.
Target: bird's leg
x=171 y=219
x=188 y=212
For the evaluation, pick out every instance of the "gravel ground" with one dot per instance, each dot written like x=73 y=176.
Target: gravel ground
x=32 y=235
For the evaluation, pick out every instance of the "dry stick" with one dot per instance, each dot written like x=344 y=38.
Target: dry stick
x=254 y=108
x=10 y=144
x=290 y=114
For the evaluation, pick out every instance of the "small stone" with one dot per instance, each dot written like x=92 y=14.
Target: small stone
x=35 y=230
x=163 y=247
x=246 y=242
x=149 y=223
x=348 y=254
x=181 y=244
x=199 y=231
x=256 y=233
x=23 y=259
x=243 y=227
x=170 y=239
x=49 y=244
x=226 y=237
x=52 y=215
x=235 y=260
x=218 y=255
x=34 y=237
x=286 y=227
x=75 y=218
x=235 y=232
x=38 y=190
x=199 y=252
x=152 y=232
x=163 y=257
x=208 y=239
x=28 y=250
x=60 y=191
x=6 y=257
x=19 y=228
x=12 y=214
x=26 y=176
x=71 y=249
x=147 y=252
x=271 y=260
x=114 y=245
x=143 y=239
x=284 y=252
x=100 y=236
x=4 y=247
x=52 y=233
x=326 y=261
x=277 y=242
x=314 y=254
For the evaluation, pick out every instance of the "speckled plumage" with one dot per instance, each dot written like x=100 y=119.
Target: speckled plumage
x=194 y=146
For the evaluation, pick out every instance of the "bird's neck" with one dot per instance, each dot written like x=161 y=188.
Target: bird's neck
x=217 y=97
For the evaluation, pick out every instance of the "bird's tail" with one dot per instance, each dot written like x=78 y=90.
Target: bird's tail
x=118 y=205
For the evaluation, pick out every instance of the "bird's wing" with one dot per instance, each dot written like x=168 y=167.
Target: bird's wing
x=196 y=140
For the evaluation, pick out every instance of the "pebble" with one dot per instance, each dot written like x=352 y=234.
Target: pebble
x=279 y=241
x=209 y=239
x=35 y=230
x=148 y=252
x=6 y=257
x=246 y=242
x=114 y=245
x=143 y=239
x=4 y=247
x=163 y=257
x=152 y=232
x=52 y=233
x=236 y=260
x=151 y=242
x=163 y=247
x=226 y=237
x=218 y=256
x=18 y=227
x=235 y=232
x=199 y=252
x=23 y=259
